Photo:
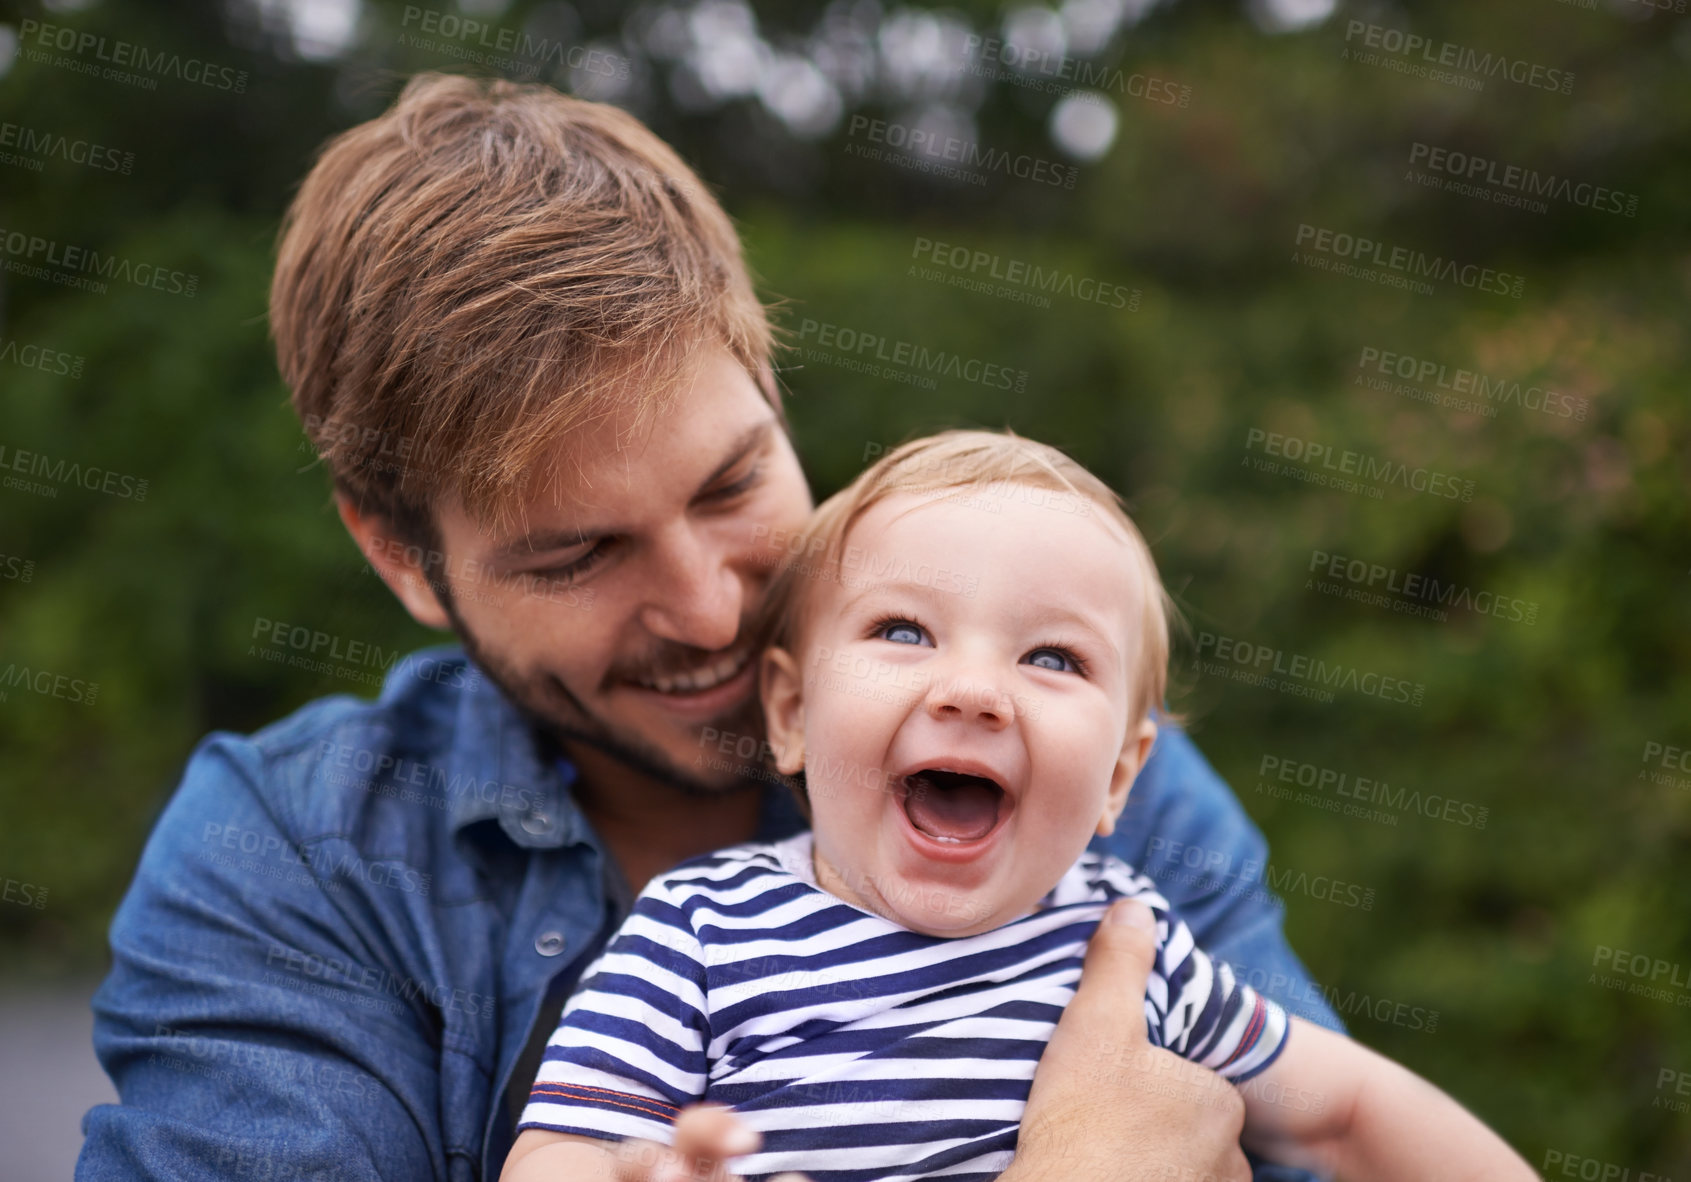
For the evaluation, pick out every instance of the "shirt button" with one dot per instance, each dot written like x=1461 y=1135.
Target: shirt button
x=549 y=943
x=536 y=822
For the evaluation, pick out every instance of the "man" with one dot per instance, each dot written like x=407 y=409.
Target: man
x=522 y=337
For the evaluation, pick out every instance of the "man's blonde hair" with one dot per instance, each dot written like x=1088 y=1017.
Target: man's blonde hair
x=955 y=461
x=485 y=268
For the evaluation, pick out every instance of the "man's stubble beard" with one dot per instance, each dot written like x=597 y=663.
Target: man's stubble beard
x=541 y=708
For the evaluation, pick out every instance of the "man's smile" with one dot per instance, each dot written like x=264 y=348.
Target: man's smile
x=699 y=677
x=703 y=693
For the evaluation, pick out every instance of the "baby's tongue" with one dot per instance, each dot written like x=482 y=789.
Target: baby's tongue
x=951 y=805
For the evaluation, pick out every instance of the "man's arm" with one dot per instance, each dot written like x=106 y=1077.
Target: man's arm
x=1106 y=1105
x=237 y=1048
x=1097 y=1114
x=1185 y=828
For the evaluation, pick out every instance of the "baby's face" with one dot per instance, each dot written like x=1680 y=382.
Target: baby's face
x=959 y=706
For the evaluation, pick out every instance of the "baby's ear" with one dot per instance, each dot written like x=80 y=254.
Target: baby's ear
x=782 y=690
x=1134 y=752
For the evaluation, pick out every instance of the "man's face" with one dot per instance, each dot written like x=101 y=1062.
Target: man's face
x=619 y=607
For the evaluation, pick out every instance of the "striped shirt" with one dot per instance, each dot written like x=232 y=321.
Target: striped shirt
x=859 y=1049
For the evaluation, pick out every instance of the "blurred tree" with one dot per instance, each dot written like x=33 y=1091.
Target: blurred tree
x=1215 y=144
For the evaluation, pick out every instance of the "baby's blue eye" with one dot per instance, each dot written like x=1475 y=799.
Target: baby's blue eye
x=1050 y=658
x=901 y=632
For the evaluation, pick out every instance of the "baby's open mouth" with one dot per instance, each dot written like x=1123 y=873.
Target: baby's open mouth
x=952 y=806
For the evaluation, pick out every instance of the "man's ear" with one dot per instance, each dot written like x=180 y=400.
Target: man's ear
x=396 y=562
x=782 y=689
x=1134 y=752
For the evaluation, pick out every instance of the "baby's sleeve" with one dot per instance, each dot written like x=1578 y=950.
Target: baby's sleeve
x=1196 y=1007
x=629 y=1050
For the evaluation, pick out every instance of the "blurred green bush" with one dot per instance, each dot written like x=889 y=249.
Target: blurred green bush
x=1544 y=725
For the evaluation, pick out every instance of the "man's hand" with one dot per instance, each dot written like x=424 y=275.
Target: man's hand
x=1107 y=1106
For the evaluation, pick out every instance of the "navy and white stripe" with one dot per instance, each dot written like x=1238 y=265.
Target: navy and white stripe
x=860 y=1050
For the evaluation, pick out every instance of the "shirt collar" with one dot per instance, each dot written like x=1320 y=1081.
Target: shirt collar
x=497 y=760
x=506 y=774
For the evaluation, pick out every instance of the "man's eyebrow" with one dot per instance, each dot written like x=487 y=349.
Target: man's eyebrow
x=750 y=440
x=544 y=541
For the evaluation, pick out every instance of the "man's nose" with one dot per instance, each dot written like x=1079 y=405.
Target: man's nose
x=693 y=597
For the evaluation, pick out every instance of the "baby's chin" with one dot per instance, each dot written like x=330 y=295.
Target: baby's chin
x=954 y=933
x=902 y=892
x=948 y=913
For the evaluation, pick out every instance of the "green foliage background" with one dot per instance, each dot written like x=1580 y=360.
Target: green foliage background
x=1542 y=724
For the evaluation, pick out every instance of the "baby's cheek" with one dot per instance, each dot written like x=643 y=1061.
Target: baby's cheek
x=1062 y=825
x=847 y=806
x=1084 y=756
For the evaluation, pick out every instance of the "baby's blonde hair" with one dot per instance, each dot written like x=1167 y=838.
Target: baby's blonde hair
x=956 y=460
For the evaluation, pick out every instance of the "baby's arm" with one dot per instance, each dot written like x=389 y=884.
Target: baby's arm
x=1331 y=1106
x=627 y=1060
x=705 y=1135
x=541 y=1155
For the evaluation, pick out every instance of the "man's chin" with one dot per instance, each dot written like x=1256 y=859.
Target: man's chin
x=702 y=758
x=686 y=757
x=680 y=754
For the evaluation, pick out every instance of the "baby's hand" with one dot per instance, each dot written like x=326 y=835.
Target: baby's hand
x=705 y=1135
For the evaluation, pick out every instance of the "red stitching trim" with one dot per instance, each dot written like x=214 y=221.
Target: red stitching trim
x=1253 y=1028
x=559 y=1090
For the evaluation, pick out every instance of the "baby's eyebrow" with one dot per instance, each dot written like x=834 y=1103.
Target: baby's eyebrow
x=1037 y=616
x=905 y=585
x=1074 y=619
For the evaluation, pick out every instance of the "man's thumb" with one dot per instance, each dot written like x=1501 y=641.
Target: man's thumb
x=1118 y=960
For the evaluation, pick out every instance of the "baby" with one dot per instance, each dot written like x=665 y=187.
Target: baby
x=963 y=657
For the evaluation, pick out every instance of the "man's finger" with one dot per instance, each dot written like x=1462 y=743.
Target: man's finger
x=1119 y=959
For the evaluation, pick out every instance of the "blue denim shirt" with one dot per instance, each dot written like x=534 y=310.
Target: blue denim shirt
x=345 y=928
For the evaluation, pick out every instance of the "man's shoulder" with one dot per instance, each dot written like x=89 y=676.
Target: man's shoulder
x=421 y=694
x=1179 y=807
x=331 y=764
x=1174 y=758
